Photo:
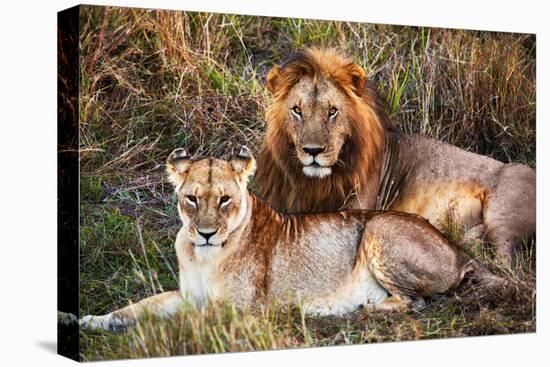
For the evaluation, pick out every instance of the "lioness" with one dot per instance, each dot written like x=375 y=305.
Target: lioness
x=234 y=246
x=330 y=145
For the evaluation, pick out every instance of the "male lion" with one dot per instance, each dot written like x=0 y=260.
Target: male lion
x=234 y=246
x=331 y=145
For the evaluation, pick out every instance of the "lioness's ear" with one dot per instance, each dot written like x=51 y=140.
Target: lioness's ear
x=358 y=78
x=178 y=162
x=272 y=77
x=244 y=163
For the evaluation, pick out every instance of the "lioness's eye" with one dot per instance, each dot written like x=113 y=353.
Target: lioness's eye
x=297 y=110
x=332 y=112
x=191 y=199
x=224 y=200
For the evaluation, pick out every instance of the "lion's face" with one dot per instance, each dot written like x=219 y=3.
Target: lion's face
x=317 y=124
x=326 y=132
x=212 y=196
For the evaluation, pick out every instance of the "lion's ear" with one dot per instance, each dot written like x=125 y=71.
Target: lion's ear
x=272 y=77
x=244 y=163
x=177 y=163
x=358 y=78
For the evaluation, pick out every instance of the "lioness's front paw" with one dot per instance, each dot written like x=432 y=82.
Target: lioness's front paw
x=91 y=322
x=118 y=324
x=66 y=319
x=110 y=322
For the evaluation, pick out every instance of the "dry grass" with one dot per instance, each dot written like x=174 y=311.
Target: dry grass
x=154 y=80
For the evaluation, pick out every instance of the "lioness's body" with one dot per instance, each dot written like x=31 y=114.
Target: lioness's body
x=233 y=246
x=281 y=258
x=330 y=146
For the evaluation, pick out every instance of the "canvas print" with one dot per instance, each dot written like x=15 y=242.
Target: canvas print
x=232 y=183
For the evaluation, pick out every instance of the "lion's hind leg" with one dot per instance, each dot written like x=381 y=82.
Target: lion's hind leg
x=510 y=211
x=161 y=305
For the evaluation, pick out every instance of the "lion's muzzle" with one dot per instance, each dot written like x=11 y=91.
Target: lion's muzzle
x=313 y=161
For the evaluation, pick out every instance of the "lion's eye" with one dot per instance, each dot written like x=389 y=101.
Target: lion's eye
x=191 y=200
x=224 y=200
x=332 y=112
x=297 y=110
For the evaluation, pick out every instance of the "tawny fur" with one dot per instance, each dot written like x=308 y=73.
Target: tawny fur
x=372 y=165
x=329 y=263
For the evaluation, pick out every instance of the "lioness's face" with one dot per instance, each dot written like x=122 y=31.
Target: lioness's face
x=212 y=196
x=317 y=124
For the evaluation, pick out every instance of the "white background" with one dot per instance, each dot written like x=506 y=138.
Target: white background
x=28 y=181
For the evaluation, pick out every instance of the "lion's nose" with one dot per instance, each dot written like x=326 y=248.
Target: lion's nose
x=207 y=234
x=313 y=151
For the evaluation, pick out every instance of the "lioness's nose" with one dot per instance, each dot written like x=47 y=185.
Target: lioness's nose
x=207 y=234
x=313 y=151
